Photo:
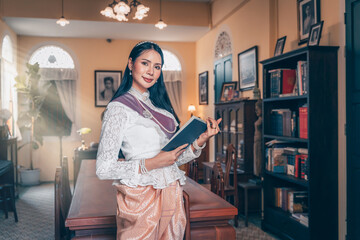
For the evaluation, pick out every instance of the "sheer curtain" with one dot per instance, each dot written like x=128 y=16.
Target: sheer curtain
x=65 y=80
x=173 y=81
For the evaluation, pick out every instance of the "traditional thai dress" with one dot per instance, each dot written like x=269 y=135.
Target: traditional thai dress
x=149 y=205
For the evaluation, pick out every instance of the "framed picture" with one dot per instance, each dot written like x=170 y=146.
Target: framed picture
x=315 y=34
x=203 y=88
x=308 y=14
x=247 y=68
x=106 y=84
x=227 y=91
x=279 y=48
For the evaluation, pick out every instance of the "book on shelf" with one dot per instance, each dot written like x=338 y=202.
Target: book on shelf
x=303 y=218
x=191 y=130
x=298 y=201
x=282 y=81
x=303 y=122
x=301 y=78
x=281 y=122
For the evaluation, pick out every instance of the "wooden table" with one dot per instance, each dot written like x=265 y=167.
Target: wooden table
x=93 y=208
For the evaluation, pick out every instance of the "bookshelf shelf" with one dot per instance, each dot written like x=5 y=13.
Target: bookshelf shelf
x=288 y=178
x=316 y=68
x=275 y=99
x=288 y=139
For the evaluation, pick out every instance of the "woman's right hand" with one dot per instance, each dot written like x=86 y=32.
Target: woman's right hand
x=164 y=159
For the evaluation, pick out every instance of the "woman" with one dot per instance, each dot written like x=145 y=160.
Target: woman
x=138 y=121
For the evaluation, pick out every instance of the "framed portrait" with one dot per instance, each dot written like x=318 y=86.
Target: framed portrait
x=315 y=34
x=279 y=48
x=106 y=84
x=308 y=14
x=227 y=91
x=203 y=88
x=247 y=68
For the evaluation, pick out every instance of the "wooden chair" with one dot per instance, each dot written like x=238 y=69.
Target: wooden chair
x=187 y=235
x=231 y=189
x=217 y=180
x=192 y=170
x=63 y=199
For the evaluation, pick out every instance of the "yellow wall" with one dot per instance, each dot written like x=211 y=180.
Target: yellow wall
x=91 y=55
x=261 y=23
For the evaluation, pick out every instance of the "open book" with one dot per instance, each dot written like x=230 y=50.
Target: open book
x=191 y=130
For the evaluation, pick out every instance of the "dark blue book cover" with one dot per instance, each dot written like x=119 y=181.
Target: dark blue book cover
x=187 y=133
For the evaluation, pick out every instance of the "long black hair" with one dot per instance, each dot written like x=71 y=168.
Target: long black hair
x=158 y=94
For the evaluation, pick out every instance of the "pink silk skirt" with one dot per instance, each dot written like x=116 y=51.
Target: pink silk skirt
x=148 y=213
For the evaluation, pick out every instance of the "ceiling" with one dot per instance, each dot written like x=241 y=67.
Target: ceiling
x=47 y=27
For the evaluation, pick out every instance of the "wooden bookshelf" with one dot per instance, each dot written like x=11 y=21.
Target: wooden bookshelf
x=322 y=145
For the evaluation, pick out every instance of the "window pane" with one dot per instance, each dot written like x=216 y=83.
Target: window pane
x=171 y=62
x=52 y=57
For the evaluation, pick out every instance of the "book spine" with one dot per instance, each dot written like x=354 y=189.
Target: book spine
x=288 y=80
x=303 y=122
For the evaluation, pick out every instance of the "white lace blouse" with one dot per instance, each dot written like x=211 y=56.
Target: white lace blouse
x=138 y=138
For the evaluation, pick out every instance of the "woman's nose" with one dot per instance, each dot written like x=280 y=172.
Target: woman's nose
x=150 y=70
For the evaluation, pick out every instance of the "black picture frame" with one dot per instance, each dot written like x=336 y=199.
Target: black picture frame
x=308 y=14
x=203 y=88
x=101 y=100
x=248 y=68
x=279 y=47
x=227 y=91
x=315 y=34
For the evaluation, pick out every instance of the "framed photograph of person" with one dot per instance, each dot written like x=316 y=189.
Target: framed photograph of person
x=280 y=44
x=106 y=84
x=315 y=34
x=203 y=88
x=227 y=91
x=308 y=14
x=248 y=68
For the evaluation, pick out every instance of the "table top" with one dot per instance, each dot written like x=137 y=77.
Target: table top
x=211 y=165
x=94 y=202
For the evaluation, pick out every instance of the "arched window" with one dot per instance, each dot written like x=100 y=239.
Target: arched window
x=223 y=63
x=172 y=79
x=8 y=72
x=58 y=110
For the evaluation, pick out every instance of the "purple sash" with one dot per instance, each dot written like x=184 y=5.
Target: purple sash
x=167 y=124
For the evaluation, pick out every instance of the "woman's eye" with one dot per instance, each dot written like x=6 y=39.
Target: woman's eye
x=157 y=67
x=145 y=63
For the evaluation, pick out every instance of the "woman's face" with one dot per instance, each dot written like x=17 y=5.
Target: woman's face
x=145 y=70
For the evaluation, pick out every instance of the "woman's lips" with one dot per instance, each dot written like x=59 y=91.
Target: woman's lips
x=148 y=80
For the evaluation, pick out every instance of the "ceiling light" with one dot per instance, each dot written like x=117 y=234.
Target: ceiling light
x=62 y=21
x=120 y=9
x=161 y=24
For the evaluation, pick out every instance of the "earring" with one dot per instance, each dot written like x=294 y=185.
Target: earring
x=130 y=73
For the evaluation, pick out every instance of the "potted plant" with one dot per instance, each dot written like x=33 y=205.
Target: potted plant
x=4 y=129
x=33 y=93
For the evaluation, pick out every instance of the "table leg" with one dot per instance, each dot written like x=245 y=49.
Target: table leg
x=246 y=206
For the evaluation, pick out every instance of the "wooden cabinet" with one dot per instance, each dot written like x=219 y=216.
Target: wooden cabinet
x=237 y=127
x=321 y=144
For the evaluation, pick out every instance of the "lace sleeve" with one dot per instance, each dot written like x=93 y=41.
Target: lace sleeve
x=112 y=134
x=187 y=156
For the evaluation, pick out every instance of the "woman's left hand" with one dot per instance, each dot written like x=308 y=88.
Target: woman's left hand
x=212 y=130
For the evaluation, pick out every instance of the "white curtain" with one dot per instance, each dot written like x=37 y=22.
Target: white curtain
x=173 y=82
x=65 y=80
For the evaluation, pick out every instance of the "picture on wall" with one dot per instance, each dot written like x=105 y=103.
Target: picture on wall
x=308 y=14
x=227 y=91
x=203 y=88
x=247 y=68
x=106 y=84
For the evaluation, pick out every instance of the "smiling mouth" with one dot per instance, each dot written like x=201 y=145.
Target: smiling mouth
x=148 y=80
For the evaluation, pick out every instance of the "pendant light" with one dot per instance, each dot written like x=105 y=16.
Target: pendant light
x=62 y=21
x=161 y=24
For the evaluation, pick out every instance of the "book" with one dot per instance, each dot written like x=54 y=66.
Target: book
x=188 y=133
x=303 y=122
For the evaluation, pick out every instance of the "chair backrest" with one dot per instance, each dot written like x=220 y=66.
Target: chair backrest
x=192 y=170
x=217 y=180
x=230 y=165
x=59 y=220
x=66 y=196
x=187 y=213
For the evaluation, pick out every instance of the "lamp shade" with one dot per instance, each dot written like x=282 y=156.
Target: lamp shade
x=191 y=108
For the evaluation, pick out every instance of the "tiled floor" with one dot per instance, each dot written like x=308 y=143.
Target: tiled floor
x=35 y=208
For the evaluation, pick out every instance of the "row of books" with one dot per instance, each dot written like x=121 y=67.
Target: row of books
x=289 y=82
x=285 y=122
x=303 y=218
x=288 y=160
x=291 y=200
